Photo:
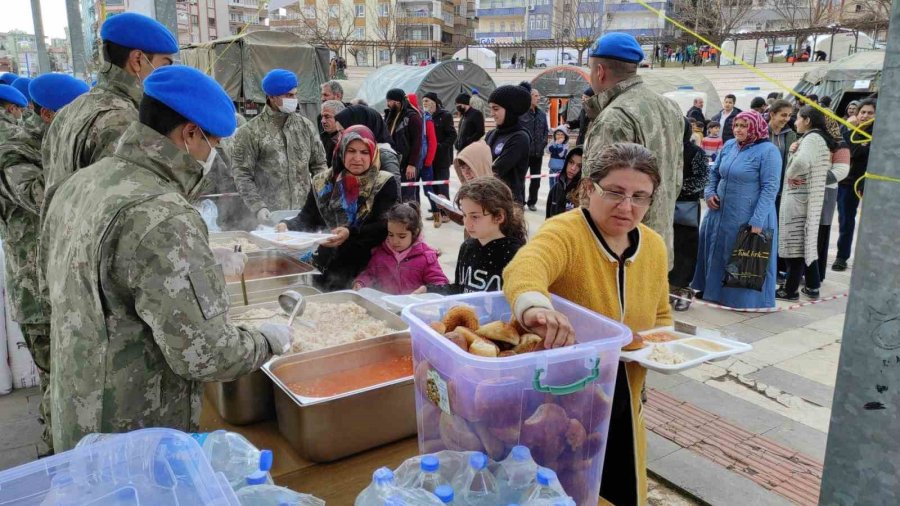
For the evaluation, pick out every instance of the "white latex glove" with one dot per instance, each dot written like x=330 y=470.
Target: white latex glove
x=263 y=215
x=232 y=263
x=278 y=336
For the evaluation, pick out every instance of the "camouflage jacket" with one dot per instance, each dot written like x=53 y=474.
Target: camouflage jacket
x=138 y=302
x=632 y=112
x=88 y=129
x=274 y=157
x=9 y=126
x=21 y=194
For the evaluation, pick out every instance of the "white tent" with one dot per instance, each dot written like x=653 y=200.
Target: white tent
x=483 y=57
x=845 y=44
x=744 y=51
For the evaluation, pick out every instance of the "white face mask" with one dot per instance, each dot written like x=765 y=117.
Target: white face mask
x=288 y=105
x=210 y=158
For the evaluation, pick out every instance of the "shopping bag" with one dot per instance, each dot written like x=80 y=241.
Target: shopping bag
x=749 y=260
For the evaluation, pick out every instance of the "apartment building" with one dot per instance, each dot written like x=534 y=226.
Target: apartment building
x=420 y=28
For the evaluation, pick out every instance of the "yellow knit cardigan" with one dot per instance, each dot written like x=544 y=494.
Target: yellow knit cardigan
x=567 y=259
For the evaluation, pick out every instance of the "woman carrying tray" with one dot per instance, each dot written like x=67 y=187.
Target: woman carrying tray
x=602 y=257
x=351 y=201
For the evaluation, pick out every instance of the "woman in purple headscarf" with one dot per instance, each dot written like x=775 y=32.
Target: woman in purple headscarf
x=741 y=191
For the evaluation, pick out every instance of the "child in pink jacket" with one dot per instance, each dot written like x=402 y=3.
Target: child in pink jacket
x=403 y=262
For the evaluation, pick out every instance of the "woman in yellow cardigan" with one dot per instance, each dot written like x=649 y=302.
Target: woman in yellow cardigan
x=602 y=257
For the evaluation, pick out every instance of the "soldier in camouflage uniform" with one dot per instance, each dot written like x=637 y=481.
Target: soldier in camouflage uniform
x=88 y=130
x=12 y=103
x=275 y=154
x=21 y=195
x=625 y=110
x=138 y=303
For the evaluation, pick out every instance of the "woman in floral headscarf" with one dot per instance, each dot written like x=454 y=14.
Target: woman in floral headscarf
x=350 y=201
x=741 y=191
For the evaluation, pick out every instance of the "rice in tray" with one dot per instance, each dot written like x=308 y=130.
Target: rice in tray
x=336 y=323
x=665 y=356
x=246 y=246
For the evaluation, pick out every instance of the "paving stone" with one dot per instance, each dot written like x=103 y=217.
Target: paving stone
x=13 y=407
x=778 y=322
x=737 y=411
x=817 y=365
x=658 y=446
x=790 y=344
x=833 y=325
x=744 y=332
x=701 y=477
x=661 y=381
x=13 y=457
x=800 y=386
x=809 y=441
x=825 y=309
x=19 y=431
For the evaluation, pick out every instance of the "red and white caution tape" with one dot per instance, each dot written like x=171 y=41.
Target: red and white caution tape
x=447 y=181
x=762 y=310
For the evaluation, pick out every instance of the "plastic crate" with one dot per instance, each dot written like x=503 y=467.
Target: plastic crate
x=148 y=466
x=470 y=403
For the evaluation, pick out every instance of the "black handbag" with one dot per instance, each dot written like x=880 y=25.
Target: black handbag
x=687 y=214
x=749 y=262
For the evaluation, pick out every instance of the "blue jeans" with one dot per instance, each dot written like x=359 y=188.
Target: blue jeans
x=847 y=204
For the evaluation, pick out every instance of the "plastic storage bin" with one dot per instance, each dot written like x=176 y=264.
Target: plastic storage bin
x=685 y=95
x=555 y=402
x=148 y=466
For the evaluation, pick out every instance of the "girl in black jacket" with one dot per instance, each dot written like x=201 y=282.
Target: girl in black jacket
x=564 y=193
x=510 y=143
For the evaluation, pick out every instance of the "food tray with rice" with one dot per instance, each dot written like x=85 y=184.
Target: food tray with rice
x=668 y=351
x=339 y=318
x=296 y=241
x=247 y=241
x=267 y=274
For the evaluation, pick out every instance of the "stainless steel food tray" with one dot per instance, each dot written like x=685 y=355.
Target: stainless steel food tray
x=331 y=428
x=222 y=237
x=267 y=275
x=249 y=399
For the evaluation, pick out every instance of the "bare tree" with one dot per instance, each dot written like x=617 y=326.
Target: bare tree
x=715 y=20
x=331 y=25
x=388 y=26
x=875 y=10
x=797 y=14
x=579 y=24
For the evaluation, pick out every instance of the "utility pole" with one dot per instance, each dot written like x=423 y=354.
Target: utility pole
x=76 y=39
x=862 y=460
x=167 y=15
x=40 y=45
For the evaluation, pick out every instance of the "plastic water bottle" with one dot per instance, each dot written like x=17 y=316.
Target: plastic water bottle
x=94 y=438
x=546 y=486
x=478 y=487
x=266 y=495
x=261 y=476
x=232 y=455
x=444 y=493
x=563 y=501
x=429 y=477
x=516 y=473
x=380 y=490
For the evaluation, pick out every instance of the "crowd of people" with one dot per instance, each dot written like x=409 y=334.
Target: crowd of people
x=124 y=303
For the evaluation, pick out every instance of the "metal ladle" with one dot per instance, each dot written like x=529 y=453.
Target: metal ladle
x=294 y=304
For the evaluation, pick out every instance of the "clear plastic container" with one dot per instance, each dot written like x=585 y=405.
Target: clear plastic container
x=445 y=494
x=470 y=403
x=685 y=95
x=233 y=455
x=380 y=490
x=148 y=466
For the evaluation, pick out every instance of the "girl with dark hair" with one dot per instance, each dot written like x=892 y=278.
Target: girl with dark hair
x=801 y=203
x=496 y=231
x=351 y=201
x=403 y=262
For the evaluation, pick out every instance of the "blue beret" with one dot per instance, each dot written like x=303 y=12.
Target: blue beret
x=617 y=46
x=278 y=82
x=8 y=78
x=194 y=95
x=136 y=31
x=21 y=84
x=12 y=95
x=55 y=91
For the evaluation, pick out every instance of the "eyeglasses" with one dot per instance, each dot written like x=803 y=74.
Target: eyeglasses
x=618 y=198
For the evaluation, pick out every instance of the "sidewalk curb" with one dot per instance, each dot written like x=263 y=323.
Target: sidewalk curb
x=674 y=486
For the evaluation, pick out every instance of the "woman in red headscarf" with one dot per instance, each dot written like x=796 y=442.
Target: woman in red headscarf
x=741 y=191
x=350 y=201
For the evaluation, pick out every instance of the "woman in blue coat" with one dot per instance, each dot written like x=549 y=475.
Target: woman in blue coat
x=741 y=190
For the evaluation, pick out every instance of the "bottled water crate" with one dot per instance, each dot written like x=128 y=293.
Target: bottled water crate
x=555 y=402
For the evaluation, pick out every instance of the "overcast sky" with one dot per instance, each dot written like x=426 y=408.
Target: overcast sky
x=17 y=15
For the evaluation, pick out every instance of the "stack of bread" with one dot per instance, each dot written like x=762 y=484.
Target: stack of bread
x=495 y=339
